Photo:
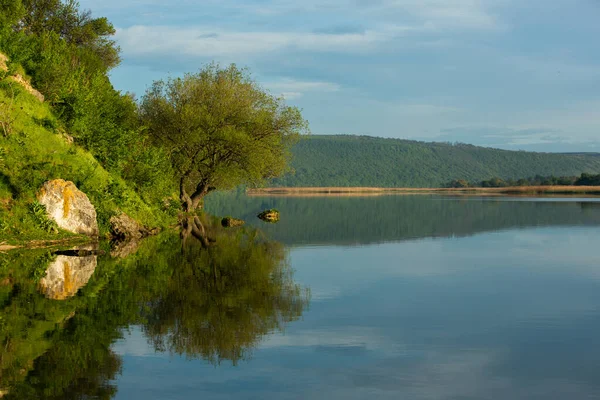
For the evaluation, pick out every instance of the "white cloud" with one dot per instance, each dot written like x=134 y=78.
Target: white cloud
x=464 y=14
x=461 y=14
x=292 y=89
x=196 y=42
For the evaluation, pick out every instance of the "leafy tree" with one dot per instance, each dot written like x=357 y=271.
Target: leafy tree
x=588 y=180
x=459 y=183
x=220 y=129
x=73 y=25
x=10 y=12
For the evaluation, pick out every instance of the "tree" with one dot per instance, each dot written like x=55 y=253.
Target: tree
x=76 y=27
x=10 y=12
x=588 y=180
x=220 y=129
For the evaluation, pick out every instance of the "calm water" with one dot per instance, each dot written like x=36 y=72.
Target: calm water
x=346 y=298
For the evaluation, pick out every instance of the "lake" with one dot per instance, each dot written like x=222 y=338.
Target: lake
x=384 y=297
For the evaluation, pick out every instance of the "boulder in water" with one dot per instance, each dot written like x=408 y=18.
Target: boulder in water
x=230 y=222
x=271 y=215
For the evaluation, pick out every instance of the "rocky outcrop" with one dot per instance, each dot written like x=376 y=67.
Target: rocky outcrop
x=230 y=222
x=19 y=79
x=66 y=275
x=69 y=207
x=271 y=215
x=27 y=86
x=3 y=61
x=122 y=226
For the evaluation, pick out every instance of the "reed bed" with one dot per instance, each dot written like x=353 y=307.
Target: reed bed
x=378 y=191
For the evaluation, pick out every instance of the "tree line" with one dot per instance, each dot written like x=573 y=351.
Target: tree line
x=584 y=179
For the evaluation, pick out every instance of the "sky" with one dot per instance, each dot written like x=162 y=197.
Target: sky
x=513 y=74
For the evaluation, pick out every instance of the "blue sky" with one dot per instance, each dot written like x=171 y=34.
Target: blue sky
x=515 y=74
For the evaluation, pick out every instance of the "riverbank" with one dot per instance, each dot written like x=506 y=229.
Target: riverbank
x=377 y=191
x=37 y=244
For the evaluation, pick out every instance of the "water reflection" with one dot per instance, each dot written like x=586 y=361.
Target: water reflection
x=66 y=275
x=222 y=298
x=203 y=298
x=367 y=220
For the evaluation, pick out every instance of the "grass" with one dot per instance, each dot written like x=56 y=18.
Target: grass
x=37 y=150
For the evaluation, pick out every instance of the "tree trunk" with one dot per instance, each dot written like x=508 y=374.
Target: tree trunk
x=191 y=203
x=186 y=200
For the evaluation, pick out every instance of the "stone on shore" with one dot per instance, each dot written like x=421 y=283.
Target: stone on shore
x=69 y=207
x=122 y=227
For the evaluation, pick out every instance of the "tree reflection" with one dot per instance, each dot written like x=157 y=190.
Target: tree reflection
x=222 y=298
x=212 y=297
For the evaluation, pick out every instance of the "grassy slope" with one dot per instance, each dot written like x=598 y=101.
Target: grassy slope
x=367 y=161
x=37 y=151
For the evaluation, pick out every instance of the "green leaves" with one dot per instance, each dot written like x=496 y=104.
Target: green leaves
x=220 y=129
x=38 y=211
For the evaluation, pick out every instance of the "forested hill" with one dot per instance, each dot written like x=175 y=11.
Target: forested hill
x=344 y=160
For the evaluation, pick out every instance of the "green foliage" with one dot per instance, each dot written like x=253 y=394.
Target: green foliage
x=588 y=180
x=74 y=26
x=68 y=54
x=35 y=154
x=369 y=161
x=8 y=110
x=11 y=11
x=220 y=129
x=584 y=180
x=38 y=211
x=458 y=183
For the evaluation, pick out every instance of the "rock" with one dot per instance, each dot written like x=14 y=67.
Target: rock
x=3 y=61
x=230 y=222
x=271 y=215
x=27 y=86
x=122 y=226
x=66 y=275
x=69 y=207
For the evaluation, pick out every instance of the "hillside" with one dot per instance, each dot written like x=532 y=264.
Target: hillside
x=368 y=161
x=37 y=149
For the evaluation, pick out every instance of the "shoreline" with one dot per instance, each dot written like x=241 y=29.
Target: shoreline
x=43 y=243
x=380 y=191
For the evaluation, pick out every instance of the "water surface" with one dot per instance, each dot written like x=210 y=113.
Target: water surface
x=386 y=297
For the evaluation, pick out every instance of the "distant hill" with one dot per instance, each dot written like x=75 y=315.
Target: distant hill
x=344 y=160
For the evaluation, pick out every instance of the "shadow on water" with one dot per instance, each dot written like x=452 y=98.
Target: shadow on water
x=204 y=292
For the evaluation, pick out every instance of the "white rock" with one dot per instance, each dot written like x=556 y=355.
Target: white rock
x=69 y=207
